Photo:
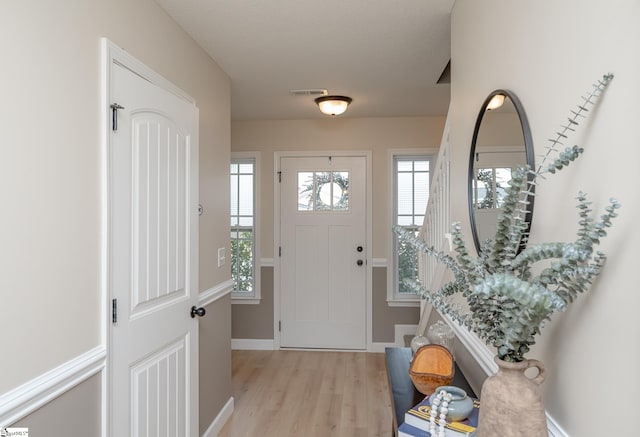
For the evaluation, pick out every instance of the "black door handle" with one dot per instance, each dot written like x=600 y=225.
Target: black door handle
x=195 y=311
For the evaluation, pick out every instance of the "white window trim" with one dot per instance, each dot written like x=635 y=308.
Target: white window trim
x=393 y=298
x=256 y=296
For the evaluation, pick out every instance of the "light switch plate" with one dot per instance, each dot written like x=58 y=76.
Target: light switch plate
x=221 y=256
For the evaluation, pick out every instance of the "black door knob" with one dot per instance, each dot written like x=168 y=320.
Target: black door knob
x=195 y=311
x=359 y=262
x=359 y=248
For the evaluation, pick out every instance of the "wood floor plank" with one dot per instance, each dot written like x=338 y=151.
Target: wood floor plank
x=309 y=393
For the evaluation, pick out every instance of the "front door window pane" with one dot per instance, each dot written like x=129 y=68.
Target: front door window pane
x=323 y=191
x=322 y=184
x=305 y=194
x=340 y=190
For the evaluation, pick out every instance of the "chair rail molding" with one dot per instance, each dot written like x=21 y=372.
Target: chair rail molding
x=34 y=394
x=214 y=293
x=379 y=262
x=266 y=262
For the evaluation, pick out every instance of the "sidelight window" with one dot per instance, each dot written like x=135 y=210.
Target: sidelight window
x=410 y=195
x=243 y=252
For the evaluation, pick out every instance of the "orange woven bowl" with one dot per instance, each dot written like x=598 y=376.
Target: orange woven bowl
x=431 y=367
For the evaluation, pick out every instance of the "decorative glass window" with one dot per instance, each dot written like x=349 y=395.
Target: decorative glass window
x=490 y=187
x=323 y=191
x=411 y=193
x=243 y=228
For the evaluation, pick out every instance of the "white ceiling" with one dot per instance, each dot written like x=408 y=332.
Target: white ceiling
x=385 y=54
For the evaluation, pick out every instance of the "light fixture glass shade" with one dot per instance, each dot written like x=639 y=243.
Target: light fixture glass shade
x=333 y=105
x=496 y=102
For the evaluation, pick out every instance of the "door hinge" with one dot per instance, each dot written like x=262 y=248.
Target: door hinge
x=114 y=311
x=280 y=251
x=279 y=325
x=114 y=115
x=279 y=176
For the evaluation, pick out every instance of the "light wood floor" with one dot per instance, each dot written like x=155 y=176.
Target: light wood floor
x=308 y=393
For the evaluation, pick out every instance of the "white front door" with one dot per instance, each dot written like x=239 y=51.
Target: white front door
x=323 y=252
x=153 y=259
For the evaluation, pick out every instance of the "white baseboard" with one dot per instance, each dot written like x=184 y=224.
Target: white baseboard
x=401 y=331
x=554 y=429
x=252 y=344
x=379 y=347
x=34 y=394
x=220 y=420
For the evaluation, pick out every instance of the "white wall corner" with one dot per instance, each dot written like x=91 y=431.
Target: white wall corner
x=34 y=394
x=221 y=419
x=250 y=344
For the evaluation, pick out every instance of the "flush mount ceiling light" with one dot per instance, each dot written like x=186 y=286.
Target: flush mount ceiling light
x=333 y=105
x=496 y=102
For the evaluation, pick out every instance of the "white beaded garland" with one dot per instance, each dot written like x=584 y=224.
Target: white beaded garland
x=439 y=408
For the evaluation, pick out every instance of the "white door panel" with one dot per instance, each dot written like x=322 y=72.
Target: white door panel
x=158 y=392
x=159 y=224
x=323 y=289
x=153 y=184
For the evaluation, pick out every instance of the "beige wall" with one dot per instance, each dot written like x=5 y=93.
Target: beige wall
x=256 y=321
x=384 y=317
x=51 y=172
x=215 y=361
x=500 y=129
x=75 y=413
x=549 y=53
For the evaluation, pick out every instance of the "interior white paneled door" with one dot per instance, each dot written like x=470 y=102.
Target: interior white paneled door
x=323 y=258
x=153 y=259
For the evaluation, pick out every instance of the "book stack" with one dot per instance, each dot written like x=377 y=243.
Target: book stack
x=416 y=422
x=406 y=430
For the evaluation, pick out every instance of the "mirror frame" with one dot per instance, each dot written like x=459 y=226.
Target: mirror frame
x=529 y=154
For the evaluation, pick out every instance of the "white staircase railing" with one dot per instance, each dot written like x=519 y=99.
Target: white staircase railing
x=435 y=230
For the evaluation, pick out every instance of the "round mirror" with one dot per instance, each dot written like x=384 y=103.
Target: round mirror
x=501 y=142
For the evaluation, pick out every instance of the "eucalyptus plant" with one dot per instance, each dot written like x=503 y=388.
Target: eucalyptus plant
x=508 y=303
